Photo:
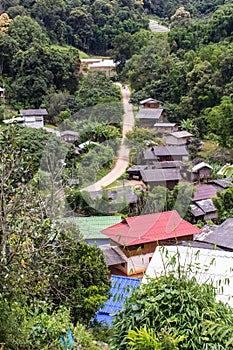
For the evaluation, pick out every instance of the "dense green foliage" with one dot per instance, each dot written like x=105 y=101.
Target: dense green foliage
x=177 y=305
x=39 y=262
x=88 y=25
x=224 y=204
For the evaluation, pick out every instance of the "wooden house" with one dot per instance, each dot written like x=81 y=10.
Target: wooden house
x=165 y=128
x=137 y=238
x=178 y=138
x=221 y=236
x=147 y=117
x=33 y=118
x=168 y=177
x=69 y=136
x=150 y=103
x=203 y=210
x=201 y=171
x=165 y=153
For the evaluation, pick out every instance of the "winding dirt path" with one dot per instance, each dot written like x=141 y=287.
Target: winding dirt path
x=122 y=160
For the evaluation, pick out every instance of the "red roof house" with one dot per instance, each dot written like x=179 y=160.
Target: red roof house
x=139 y=236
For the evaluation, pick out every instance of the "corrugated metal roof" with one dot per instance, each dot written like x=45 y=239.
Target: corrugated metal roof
x=149 y=100
x=204 y=192
x=149 y=113
x=222 y=235
x=200 y=166
x=150 y=228
x=207 y=265
x=160 y=175
x=113 y=255
x=165 y=125
x=122 y=288
x=117 y=196
x=159 y=151
x=180 y=134
x=206 y=206
x=224 y=183
x=33 y=112
x=90 y=227
x=196 y=211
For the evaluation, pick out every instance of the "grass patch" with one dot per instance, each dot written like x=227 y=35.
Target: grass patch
x=208 y=148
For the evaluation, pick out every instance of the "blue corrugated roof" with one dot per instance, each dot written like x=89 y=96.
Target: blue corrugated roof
x=122 y=287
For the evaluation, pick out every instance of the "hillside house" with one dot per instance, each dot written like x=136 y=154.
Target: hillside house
x=206 y=265
x=168 y=177
x=33 y=118
x=165 y=128
x=204 y=192
x=108 y=66
x=203 y=210
x=89 y=228
x=150 y=103
x=178 y=138
x=147 y=117
x=165 y=153
x=69 y=136
x=137 y=238
x=201 y=172
x=221 y=236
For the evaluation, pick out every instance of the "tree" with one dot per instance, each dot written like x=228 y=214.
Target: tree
x=224 y=204
x=4 y=23
x=39 y=259
x=220 y=121
x=27 y=32
x=177 y=305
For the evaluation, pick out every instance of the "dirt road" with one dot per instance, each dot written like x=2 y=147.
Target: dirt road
x=122 y=160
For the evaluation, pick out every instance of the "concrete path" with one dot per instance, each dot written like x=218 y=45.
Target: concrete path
x=156 y=27
x=122 y=160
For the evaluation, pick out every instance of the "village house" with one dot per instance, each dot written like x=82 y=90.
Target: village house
x=203 y=210
x=134 y=172
x=165 y=153
x=117 y=199
x=69 y=136
x=206 y=265
x=150 y=103
x=178 y=138
x=201 y=172
x=221 y=236
x=137 y=238
x=33 y=118
x=165 y=128
x=147 y=117
x=88 y=228
x=108 y=66
x=168 y=177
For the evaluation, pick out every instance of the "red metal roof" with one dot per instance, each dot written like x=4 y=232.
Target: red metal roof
x=150 y=228
x=204 y=192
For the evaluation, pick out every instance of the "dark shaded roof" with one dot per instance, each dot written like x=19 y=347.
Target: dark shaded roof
x=198 y=244
x=196 y=211
x=223 y=235
x=160 y=175
x=204 y=192
x=206 y=206
x=150 y=228
x=113 y=255
x=158 y=151
x=122 y=288
x=158 y=165
x=117 y=196
x=149 y=113
x=32 y=112
x=224 y=183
